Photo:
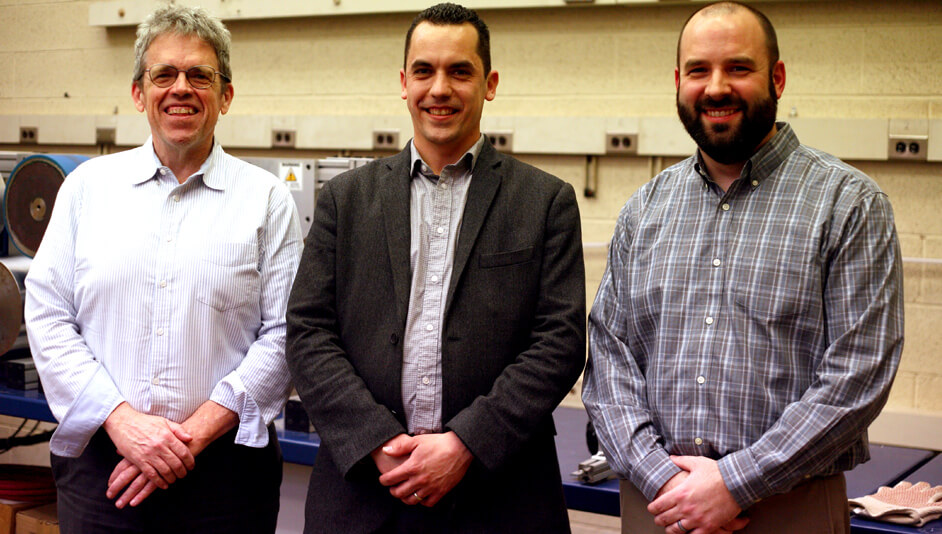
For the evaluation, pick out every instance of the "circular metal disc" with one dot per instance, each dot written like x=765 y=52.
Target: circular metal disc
x=11 y=309
x=29 y=200
x=2 y=218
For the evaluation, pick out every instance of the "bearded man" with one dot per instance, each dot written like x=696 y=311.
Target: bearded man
x=750 y=320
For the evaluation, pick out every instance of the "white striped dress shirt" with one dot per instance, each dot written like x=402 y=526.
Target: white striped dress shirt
x=163 y=294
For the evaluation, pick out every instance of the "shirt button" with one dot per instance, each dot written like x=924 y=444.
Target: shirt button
x=176 y=198
x=698 y=441
x=725 y=207
x=755 y=183
x=709 y=320
x=717 y=262
x=444 y=186
x=700 y=380
x=429 y=327
x=425 y=380
x=435 y=278
x=160 y=331
x=163 y=283
x=440 y=230
x=155 y=381
x=163 y=172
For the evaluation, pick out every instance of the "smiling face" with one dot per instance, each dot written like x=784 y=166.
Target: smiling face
x=727 y=93
x=182 y=119
x=445 y=86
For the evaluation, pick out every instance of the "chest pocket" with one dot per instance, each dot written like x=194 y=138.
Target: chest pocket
x=228 y=276
x=501 y=259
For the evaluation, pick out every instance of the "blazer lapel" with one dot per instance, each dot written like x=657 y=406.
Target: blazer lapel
x=395 y=203
x=485 y=181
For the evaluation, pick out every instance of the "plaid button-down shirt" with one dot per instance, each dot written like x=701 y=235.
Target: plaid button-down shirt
x=761 y=326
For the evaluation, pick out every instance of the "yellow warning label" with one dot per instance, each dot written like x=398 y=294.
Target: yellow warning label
x=290 y=177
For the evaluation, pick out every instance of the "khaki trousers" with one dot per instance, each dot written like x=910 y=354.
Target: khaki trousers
x=818 y=506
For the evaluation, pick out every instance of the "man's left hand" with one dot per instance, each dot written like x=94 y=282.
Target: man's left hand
x=702 y=501
x=436 y=463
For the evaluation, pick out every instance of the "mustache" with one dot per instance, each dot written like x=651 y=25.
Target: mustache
x=709 y=102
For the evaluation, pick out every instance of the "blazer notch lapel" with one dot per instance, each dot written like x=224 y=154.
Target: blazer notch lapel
x=485 y=182
x=395 y=202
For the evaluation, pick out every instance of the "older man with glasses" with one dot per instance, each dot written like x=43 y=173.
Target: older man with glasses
x=155 y=308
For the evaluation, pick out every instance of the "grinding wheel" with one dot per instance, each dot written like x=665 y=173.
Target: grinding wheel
x=31 y=195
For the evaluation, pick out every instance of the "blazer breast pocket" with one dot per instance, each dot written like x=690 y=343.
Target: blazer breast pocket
x=502 y=259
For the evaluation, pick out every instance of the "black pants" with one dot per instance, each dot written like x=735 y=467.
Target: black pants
x=232 y=489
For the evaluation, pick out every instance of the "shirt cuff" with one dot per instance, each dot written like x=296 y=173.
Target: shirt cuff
x=86 y=415
x=651 y=473
x=743 y=478
x=230 y=392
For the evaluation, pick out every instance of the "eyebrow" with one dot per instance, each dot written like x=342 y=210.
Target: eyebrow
x=456 y=65
x=738 y=60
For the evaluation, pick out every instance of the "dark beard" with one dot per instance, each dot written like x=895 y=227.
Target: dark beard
x=722 y=144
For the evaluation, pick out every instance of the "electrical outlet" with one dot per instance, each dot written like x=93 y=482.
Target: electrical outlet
x=913 y=148
x=386 y=140
x=105 y=136
x=29 y=135
x=502 y=140
x=282 y=138
x=622 y=144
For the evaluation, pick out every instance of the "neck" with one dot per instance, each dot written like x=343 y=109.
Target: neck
x=183 y=162
x=437 y=157
x=723 y=174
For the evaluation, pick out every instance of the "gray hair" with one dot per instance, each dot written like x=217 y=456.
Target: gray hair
x=183 y=20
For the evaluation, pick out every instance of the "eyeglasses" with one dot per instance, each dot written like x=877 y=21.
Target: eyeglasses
x=199 y=77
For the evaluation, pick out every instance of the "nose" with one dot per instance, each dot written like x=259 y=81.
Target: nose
x=181 y=84
x=441 y=85
x=718 y=84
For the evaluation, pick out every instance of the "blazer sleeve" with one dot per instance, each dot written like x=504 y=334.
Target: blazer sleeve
x=334 y=395
x=521 y=401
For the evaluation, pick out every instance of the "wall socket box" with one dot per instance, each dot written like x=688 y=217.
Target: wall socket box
x=29 y=135
x=621 y=144
x=386 y=140
x=909 y=139
x=283 y=138
x=502 y=140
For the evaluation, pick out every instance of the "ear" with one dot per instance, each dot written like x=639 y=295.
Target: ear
x=402 y=83
x=491 y=82
x=137 y=95
x=227 y=95
x=778 y=78
x=676 y=78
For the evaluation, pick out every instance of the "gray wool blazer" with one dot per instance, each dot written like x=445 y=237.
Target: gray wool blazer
x=513 y=344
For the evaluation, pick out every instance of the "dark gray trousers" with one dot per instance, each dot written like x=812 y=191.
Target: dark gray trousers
x=233 y=489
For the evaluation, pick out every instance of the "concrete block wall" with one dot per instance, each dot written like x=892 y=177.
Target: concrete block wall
x=844 y=59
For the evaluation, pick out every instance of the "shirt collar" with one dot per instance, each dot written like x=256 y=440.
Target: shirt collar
x=768 y=158
x=466 y=161
x=151 y=165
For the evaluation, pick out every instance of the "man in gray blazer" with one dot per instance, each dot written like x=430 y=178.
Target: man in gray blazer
x=438 y=316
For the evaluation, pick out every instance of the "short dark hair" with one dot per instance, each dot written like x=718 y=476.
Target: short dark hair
x=771 y=40
x=447 y=14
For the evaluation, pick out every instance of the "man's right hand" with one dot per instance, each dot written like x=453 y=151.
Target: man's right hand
x=155 y=445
